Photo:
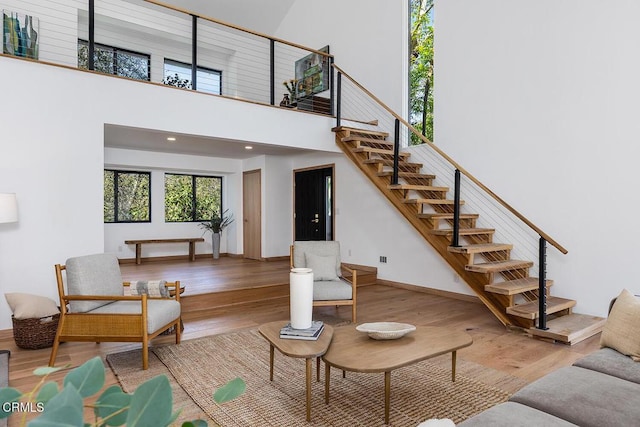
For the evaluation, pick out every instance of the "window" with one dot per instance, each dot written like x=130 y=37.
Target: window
x=127 y=196
x=179 y=74
x=113 y=60
x=421 y=68
x=191 y=197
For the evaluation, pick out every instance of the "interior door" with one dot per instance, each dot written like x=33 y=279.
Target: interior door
x=313 y=204
x=252 y=214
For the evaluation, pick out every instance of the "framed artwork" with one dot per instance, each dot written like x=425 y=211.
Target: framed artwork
x=20 y=34
x=312 y=73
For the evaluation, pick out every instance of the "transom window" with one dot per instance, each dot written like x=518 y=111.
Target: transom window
x=127 y=196
x=189 y=198
x=114 y=60
x=179 y=74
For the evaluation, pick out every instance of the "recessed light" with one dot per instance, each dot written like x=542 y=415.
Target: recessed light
x=171 y=138
x=248 y=147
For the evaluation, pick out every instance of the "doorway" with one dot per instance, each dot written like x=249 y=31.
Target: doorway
x=313 y=203
x=252 y=214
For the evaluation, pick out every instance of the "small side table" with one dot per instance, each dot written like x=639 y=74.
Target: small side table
x=307 y=350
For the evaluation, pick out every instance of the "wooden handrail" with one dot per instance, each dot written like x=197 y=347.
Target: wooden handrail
x=237 y=27
x=466 y=173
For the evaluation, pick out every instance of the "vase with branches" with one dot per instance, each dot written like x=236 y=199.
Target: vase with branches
x=215 y=226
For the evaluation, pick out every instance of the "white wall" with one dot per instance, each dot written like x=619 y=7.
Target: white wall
x=158 y=164
x=367 y=37
x=546 y=94
x=53 y=157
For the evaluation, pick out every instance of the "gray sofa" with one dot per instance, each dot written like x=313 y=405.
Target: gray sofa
x=601 y=389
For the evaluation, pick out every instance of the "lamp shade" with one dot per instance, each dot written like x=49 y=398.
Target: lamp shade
x=8 y=207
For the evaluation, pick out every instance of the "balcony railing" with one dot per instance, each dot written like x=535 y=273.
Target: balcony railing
x=155 y=42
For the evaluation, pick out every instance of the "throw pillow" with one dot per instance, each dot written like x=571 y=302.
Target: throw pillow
x=621 y=331
x=28 y=306
x=324 y=267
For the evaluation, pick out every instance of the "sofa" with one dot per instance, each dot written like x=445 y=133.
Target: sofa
x=600 y=389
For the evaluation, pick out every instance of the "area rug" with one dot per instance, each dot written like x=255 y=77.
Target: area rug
x=418 y=392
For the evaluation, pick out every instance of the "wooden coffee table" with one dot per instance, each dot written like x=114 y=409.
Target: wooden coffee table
x=307 y=350
x=354 y=351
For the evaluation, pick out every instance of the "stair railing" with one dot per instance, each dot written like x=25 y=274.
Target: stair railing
x=362 y=107
x=153 y=42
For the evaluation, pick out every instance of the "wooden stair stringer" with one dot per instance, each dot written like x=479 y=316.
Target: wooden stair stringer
x=494 y=302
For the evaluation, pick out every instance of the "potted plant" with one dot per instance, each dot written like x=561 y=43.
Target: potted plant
x=215 y=226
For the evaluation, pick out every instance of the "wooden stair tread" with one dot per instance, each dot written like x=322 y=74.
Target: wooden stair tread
x=431 y=202
x=571 y=328
x=408 y=175
x=498 y=266
x=360 y=131
x=389 y=162
x=360 y=138
x=446 y=215
x=416 y=187
x=514 y=287
x=463 y=231
x=480 y=248
x=403 y=154
x=530 y=309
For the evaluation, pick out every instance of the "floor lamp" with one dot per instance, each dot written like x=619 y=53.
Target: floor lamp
x=8 y=208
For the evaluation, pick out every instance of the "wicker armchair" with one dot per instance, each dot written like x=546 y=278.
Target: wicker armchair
x=329 y=286
x=94 y=307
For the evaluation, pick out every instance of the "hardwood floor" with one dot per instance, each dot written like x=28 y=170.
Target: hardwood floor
x=207 y=275
x=494 y=346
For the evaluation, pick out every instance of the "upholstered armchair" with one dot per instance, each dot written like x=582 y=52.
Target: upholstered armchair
x=95 y=308
x=329 y=285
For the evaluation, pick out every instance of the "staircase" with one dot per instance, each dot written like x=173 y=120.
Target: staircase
x=503 y=284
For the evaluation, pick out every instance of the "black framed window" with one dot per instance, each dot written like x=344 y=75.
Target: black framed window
x=114 y=60
x=189 y=198
x=179 y=74
x=127 y=196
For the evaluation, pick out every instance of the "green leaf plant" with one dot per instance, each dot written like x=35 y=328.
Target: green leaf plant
x=150 y=405
x=217 y=222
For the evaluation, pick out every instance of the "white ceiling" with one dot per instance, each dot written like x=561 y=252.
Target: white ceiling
x=155 y=140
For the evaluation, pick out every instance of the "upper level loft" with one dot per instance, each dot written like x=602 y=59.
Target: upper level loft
x=158 y=43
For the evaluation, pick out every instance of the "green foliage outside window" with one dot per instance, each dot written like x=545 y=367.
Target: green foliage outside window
x=127 y=196
x=421 y=76
x=112 y=60
x=192 y=198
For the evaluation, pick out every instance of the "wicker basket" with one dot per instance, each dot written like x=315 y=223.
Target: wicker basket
x=35 y=333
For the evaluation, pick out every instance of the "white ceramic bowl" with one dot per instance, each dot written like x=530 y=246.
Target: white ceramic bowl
x=386 y=330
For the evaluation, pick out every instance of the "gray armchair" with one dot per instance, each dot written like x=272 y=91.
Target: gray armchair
x=94 y=308
x=329 y=286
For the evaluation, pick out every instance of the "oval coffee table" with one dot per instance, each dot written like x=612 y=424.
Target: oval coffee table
x=354 y=351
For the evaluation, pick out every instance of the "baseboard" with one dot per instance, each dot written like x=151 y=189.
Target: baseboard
x=431 y=291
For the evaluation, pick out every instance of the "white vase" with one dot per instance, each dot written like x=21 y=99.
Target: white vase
x=215 y=244
x=301 y=297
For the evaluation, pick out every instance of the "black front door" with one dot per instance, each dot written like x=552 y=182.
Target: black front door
x=314 y=204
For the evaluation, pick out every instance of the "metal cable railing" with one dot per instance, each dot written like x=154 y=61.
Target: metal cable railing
x=154 y=42
x=357 y=105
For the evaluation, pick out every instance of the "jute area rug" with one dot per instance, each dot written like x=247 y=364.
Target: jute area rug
x=418 y=392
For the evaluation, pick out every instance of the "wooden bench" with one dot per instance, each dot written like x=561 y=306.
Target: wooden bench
x=191 y=240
